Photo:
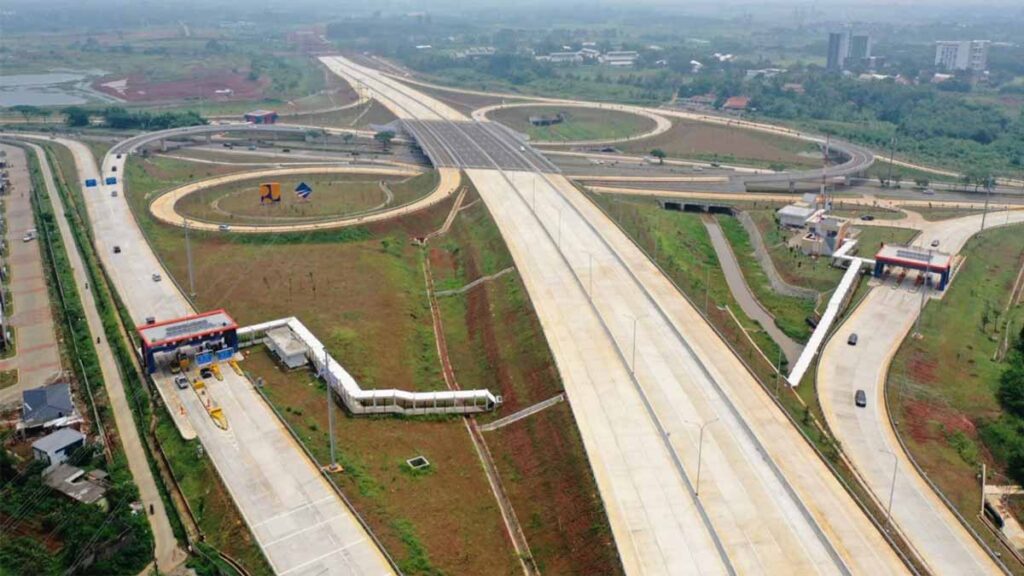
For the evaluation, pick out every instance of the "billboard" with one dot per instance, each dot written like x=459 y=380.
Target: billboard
x=270 y=192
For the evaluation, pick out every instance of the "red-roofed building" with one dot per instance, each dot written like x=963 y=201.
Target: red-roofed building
x=736 y=103
x=206 y=337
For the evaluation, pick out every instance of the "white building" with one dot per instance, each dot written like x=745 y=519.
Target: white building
x=562 y=58
x=620 y=58
x=795 y=215
x=287 y=347
x=962 y=55
x=56 y=448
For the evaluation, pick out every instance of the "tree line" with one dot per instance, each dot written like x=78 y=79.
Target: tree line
x=123 y=119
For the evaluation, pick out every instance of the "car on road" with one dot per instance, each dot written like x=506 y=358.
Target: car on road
x=118 y=156
x=206 y=373
x=860 y=398
x=928 y=192
x=113 y=193
x=157 y=277
x=867 y=217
x=935 y=243
x=522 y=148
x=852 y=340
x=117 y=249
x=29 y=236
x=286 y=150
x=113 y=168
x=224 y=227
x=181 y=382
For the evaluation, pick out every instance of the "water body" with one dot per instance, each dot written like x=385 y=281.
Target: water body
x=62 y=88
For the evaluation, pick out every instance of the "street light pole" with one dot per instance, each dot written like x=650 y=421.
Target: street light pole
x=330 y=409
x=700 y=455
x=924 y=290
x=892 y=487
x=632 y=363
x=590 y=276
x=188 y=257
x=778 y=372
x=707 y=288
x=988 y=196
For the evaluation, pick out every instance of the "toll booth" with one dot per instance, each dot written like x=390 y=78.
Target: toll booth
x=927 y=261
x=204 y=338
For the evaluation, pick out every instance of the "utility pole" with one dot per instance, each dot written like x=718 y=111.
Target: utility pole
x=188 y=257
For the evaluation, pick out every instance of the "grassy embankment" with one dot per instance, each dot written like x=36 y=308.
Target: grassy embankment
x=361 y=289
x=495 y=341
x=728 y=145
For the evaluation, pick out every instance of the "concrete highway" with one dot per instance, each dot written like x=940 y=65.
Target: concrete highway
x=302 y=526
x=882 y=321
x=766 y=501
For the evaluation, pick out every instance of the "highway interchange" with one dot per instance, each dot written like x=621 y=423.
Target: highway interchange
x=646 y=377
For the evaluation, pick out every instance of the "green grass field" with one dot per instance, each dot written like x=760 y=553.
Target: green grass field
x=579 y=123
x=334 y=195
x=790 y=313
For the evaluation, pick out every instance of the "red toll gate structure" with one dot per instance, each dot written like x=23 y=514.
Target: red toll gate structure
x=261 y=117
x=927 y=261
x=204 y=337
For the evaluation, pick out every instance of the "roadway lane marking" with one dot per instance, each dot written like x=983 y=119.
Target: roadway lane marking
x=306 y=529
x=292 y=511
x=321 y=557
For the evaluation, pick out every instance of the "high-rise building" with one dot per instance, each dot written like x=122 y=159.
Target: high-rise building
x=838 y=50
x=860 y=48
x=962 y=55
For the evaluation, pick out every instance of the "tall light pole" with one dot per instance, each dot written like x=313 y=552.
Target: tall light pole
x=330 y=409
x=559 y=228
x=778 y=372
x=924 y=290
x=707 y=288
x=988 y=196
x=700 y=452
x=892 y=487
x=188 y=258
x=590 y=276
x=632 y=362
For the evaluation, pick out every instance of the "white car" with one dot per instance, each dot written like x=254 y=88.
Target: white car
x=157 y=278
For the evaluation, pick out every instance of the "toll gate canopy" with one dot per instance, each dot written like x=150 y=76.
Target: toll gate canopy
x=207 y=335
x=928 y=261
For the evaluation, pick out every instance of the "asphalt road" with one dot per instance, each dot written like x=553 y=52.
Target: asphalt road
x=882 y=322
x=766 y=502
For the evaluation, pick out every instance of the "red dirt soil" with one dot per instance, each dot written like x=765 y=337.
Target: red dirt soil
x=214 y=85
x=921 y=418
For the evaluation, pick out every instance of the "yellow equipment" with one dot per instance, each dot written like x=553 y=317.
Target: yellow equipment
x=235 y=367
